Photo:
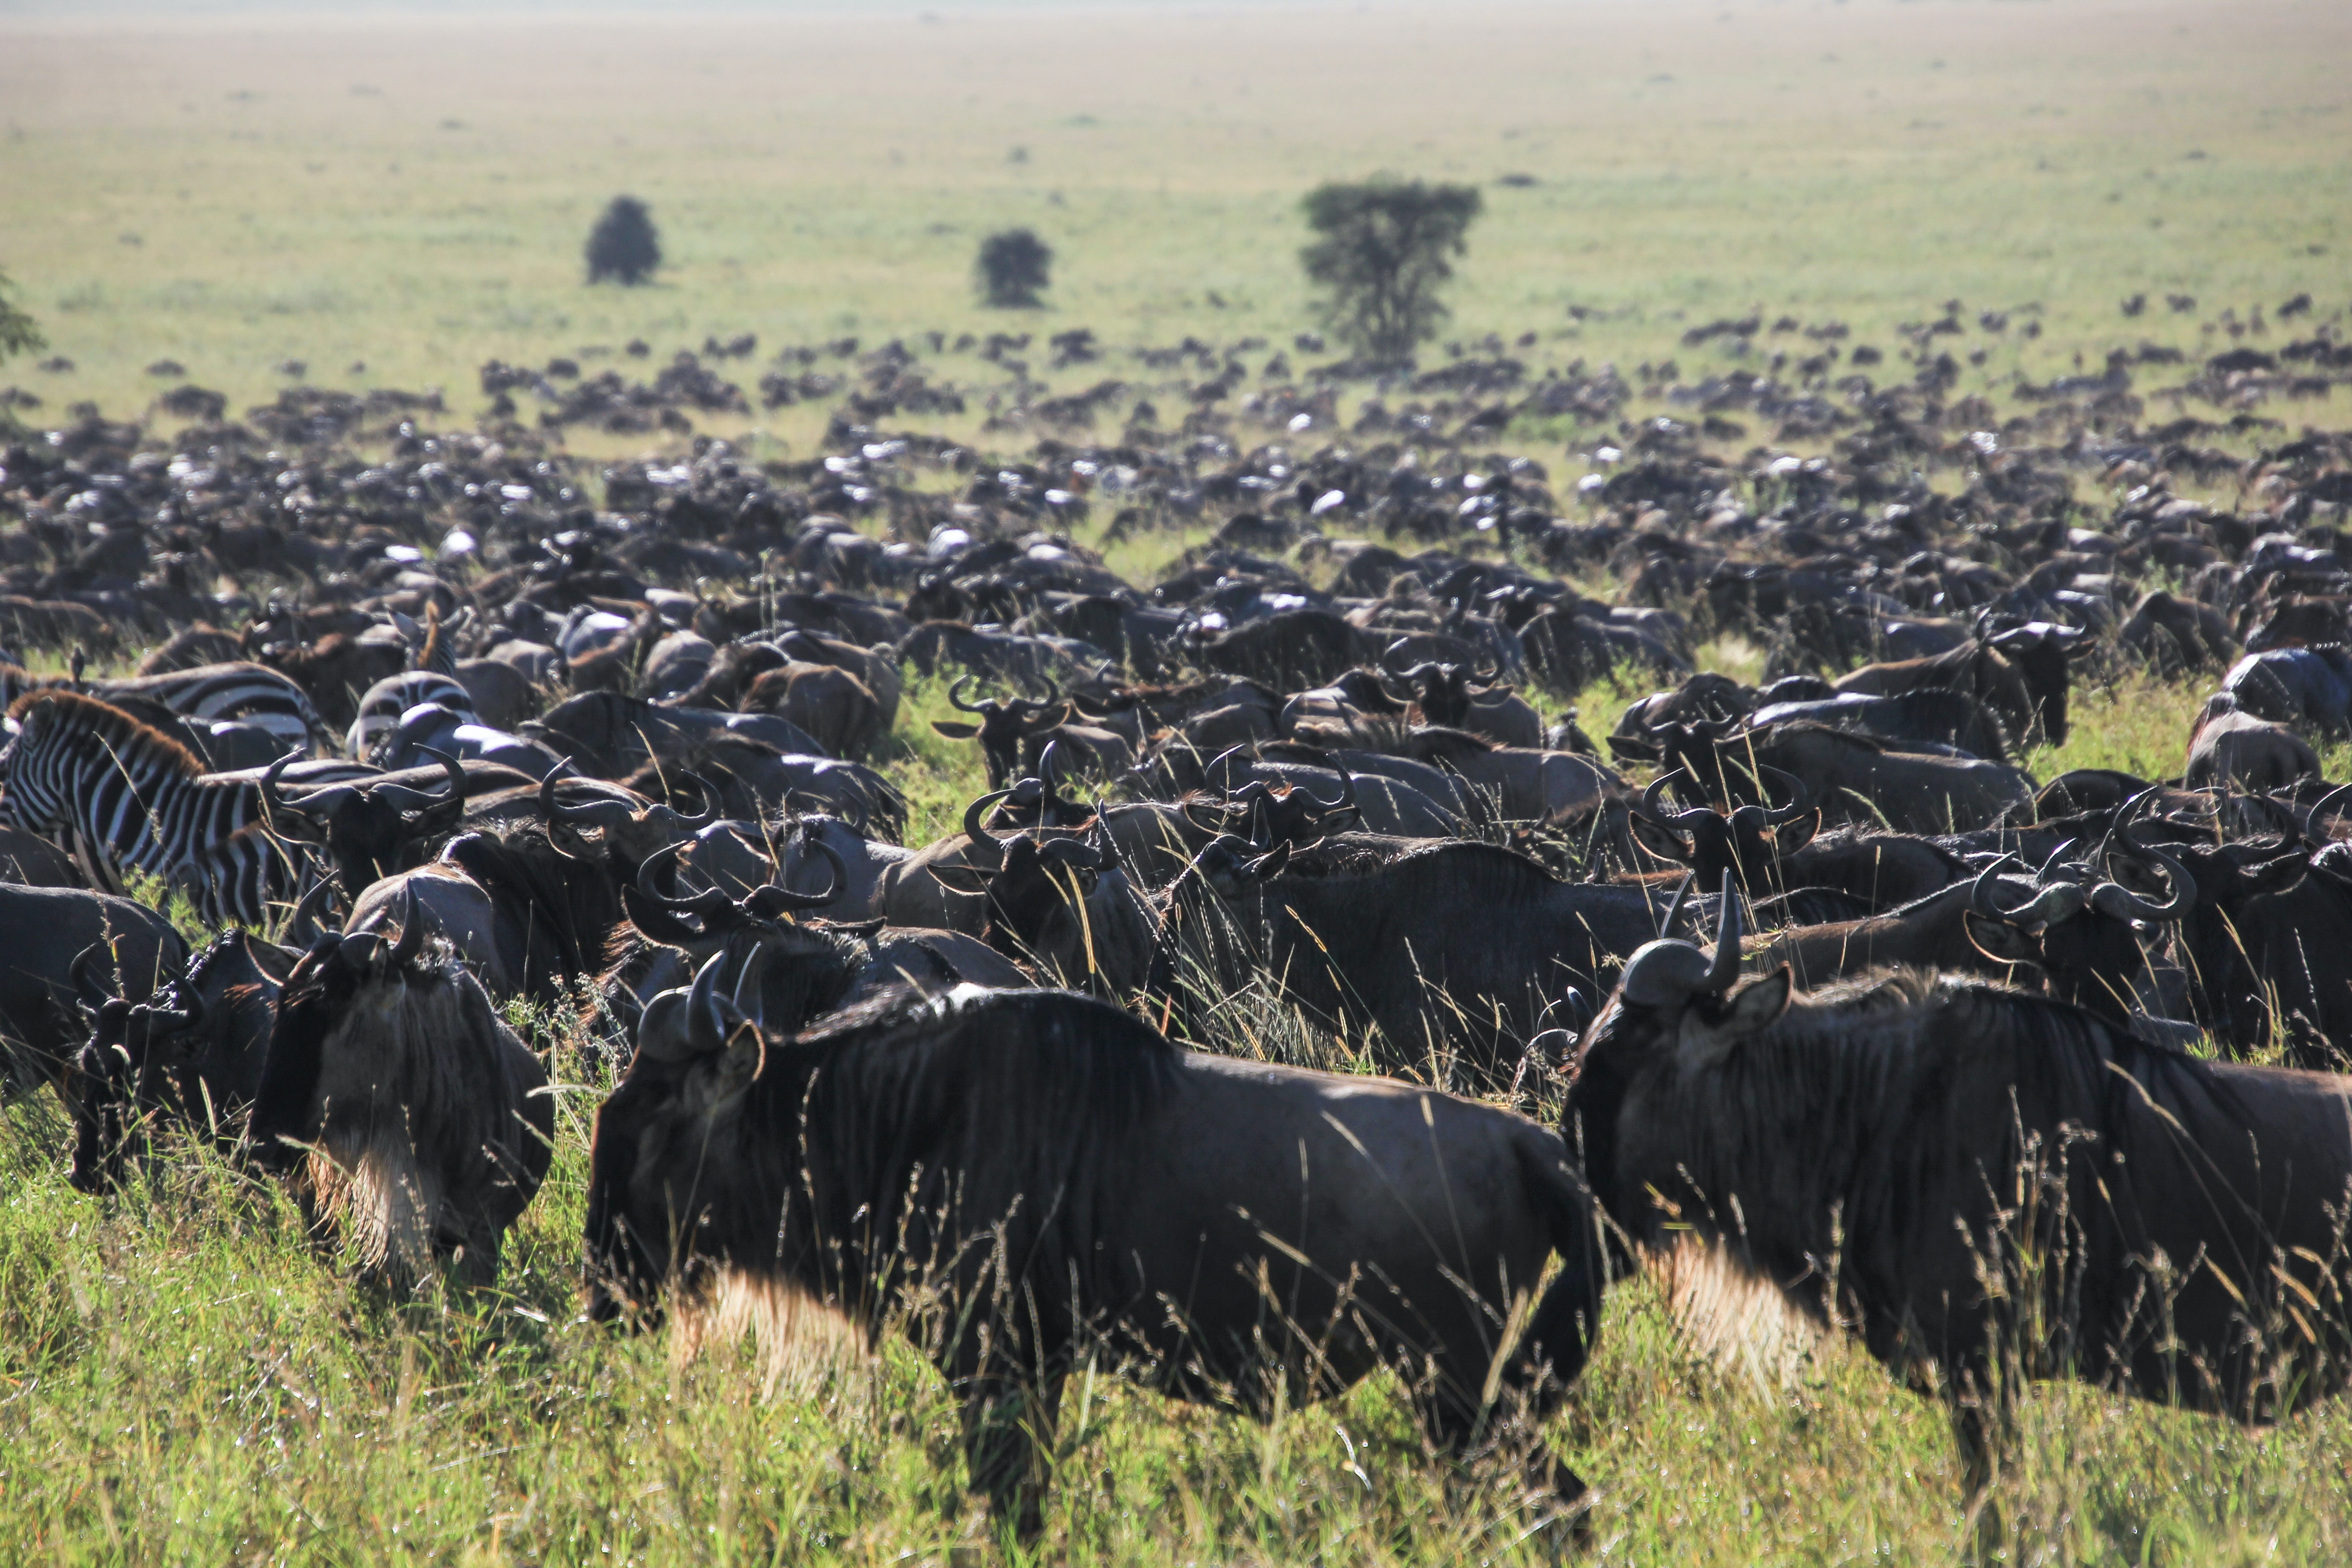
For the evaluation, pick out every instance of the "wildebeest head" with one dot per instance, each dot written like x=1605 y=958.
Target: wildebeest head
x=632 y=829
x=319 y=999
x=694 y=920
x=1273 y=813
x=1675 y=1009
x=2037 y=651
x=698 y=1050
x=1443 y=691
x=1744 y=844
x=369 y=829
x=193 y=1049
x=2081 y=939
x=1003 y=725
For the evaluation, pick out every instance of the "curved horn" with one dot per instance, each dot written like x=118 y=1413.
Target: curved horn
x=1388 y=656
x=1726 y=941
x=775 y=898
x=1053 y=695
x=1654 y=805
x=2124 y=904
x=710 y=903
x=955 y=697
x=451 y=798
x=85 y=984
x=703 y=1025
x=313 y=903
x=593 y=813
x=273 y=800
x=2050 y=904
x=2328 y=805
x=1344 y=801
x=1800 y=799
x=711 y=806
x=993 y=857
x=412 y=930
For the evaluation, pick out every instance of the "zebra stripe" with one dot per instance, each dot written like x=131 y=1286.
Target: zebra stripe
x=210 y=693
x=124 y=798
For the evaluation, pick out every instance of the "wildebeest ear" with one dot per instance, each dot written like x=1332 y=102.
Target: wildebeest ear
x=1752 y=1009
x=2000 y=941
x=1795 y=835
x=747 y=1051
x=955 y=728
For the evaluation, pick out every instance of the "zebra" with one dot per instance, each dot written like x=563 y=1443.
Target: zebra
x=124 y=798
x=202 y=696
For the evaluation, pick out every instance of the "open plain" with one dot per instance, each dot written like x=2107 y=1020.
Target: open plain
x=284 y=207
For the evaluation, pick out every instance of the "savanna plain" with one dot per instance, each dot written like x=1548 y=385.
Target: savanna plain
x=185 y=1376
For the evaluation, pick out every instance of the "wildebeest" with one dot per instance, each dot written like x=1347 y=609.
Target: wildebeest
x=1986 y=1187
x=1853 y=778
x=1447 y=946
x=1014 y=734
x=416 y=1118
x=2227 y=747
x=1038 y=1173
x=45 y=934
x=2019 y=674
x=193 y=1052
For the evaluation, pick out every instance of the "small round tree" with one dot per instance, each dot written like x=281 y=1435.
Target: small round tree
x=1014 y=268
x=622 y=246
x=1383 y=247
x=18 y=331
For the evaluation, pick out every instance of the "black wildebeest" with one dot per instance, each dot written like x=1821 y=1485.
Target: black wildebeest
x=1045 y=1174
x=413 y=1114
x=1987 y=1187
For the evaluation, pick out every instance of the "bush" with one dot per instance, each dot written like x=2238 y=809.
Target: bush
x=624 y=246
x=1014 y=268
x=1383 y=249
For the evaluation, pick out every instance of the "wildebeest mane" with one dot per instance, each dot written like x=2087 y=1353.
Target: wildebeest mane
x=922 y=1120
x=566 y=897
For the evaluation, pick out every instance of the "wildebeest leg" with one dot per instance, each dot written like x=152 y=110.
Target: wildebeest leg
x=1980 y=1422
x=1008 y=1445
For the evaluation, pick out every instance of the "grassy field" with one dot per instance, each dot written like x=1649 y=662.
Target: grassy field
x=412 y=195
x=185 y=1377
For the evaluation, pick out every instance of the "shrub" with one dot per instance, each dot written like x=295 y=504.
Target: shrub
x=1014 y=266
x=624 y=246
x=1383 y=248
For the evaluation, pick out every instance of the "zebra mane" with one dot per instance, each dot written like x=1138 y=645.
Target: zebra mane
x=111 y=725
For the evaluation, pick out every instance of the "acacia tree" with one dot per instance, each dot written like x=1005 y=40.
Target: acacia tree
x=624 y=245
x=19 y=334
x=1383 y=248
x=1013 y=268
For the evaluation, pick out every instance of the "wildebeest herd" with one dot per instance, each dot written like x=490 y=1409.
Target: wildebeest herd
x=1848 y=1007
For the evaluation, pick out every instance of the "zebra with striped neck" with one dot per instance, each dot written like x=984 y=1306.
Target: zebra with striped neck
x=123 y=798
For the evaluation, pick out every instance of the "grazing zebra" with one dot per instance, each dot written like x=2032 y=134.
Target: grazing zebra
x=125 y=797
x=206 y=694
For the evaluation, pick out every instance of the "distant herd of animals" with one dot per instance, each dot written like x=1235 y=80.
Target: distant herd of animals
x=1832 y=997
